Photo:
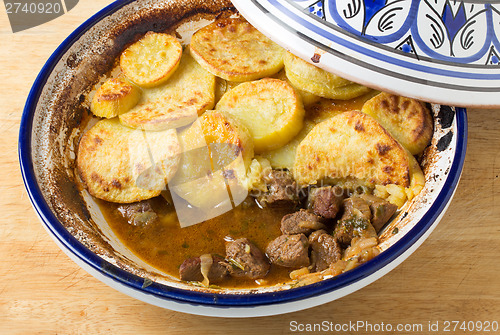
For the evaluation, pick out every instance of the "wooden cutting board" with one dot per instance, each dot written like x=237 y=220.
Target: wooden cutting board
x=453 y=276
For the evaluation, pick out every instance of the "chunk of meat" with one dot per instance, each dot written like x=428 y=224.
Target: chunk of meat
x=357 y=206
x=138 y=213
x=381 y=209
x=246 y=259
x=354 y=222
x=282 y=190
x=289 y=251
x=326 y=201
x=324 y=250
x=190 y=270
x=301 y=222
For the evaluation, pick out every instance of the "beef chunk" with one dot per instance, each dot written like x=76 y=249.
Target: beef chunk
x=289 y=251
x=282 y=190
x=190 y=270
x=246 y=259
x=138 y=213
x=354 y=222
x=301 y=222
x=326 y=201
x=324 y=250
x=381 y=209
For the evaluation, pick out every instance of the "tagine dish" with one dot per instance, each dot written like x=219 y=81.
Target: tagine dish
x=225 y=161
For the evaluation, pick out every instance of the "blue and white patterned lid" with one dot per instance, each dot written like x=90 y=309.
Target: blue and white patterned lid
x=442 y=51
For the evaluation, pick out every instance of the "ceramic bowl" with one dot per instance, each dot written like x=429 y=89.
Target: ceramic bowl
x=52 y=124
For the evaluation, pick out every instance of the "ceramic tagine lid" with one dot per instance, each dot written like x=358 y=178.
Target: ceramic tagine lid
x=441 y=51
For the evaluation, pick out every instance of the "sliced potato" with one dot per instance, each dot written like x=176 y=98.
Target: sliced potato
x=152 y=60
x=307 y=98
x=351 y=145
x=327 y=108
x=114 y=161
x=219 y=127
x=217 y=151
x=116 y=96
x=322 y=89
x=234 y=50
x=178 y=102
x=198 y=192
x=270 y=109
x=213 y=127
x=284 y=157
x=315 y=80
x=408 y=120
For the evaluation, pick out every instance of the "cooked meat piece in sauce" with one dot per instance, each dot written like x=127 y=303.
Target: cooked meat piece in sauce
x=324 y=250
x=326 y=201
x=190 y=270
x=301 y=222
x=289 y=251
x=138 y=213
x=246 y=259
x=381 y=209
x=282 y=190
x=354 y=222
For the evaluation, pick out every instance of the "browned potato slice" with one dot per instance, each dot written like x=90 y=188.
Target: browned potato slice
x=408 y=120
x=234 y=50
x=351 y=145
x=114 y=161
x=270 y=109
x=219 y=127
x=188 y=93
x=204 y=171
x=216 y=127
x=116 y=96
x=151 y=60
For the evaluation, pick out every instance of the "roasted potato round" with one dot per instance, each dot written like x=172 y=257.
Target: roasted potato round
x=408 y=120
x=351 y=145
x=115 y=162
x=116 y=96
x=188 y=93
x=234 y=50
x=217 y=150
x=151 y=60
x=270 y=109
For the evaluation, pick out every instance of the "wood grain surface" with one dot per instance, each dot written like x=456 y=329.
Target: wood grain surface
x=454 y=275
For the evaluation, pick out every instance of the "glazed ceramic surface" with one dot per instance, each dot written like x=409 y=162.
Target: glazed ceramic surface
x=441 y=51
x=52 y=124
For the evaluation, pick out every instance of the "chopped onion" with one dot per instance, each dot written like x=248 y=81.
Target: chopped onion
x=206 y=264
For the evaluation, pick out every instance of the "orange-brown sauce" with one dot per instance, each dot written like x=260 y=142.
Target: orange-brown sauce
x=165 y=245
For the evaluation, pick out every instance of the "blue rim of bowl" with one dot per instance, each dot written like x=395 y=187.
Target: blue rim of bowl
x=194 y=297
